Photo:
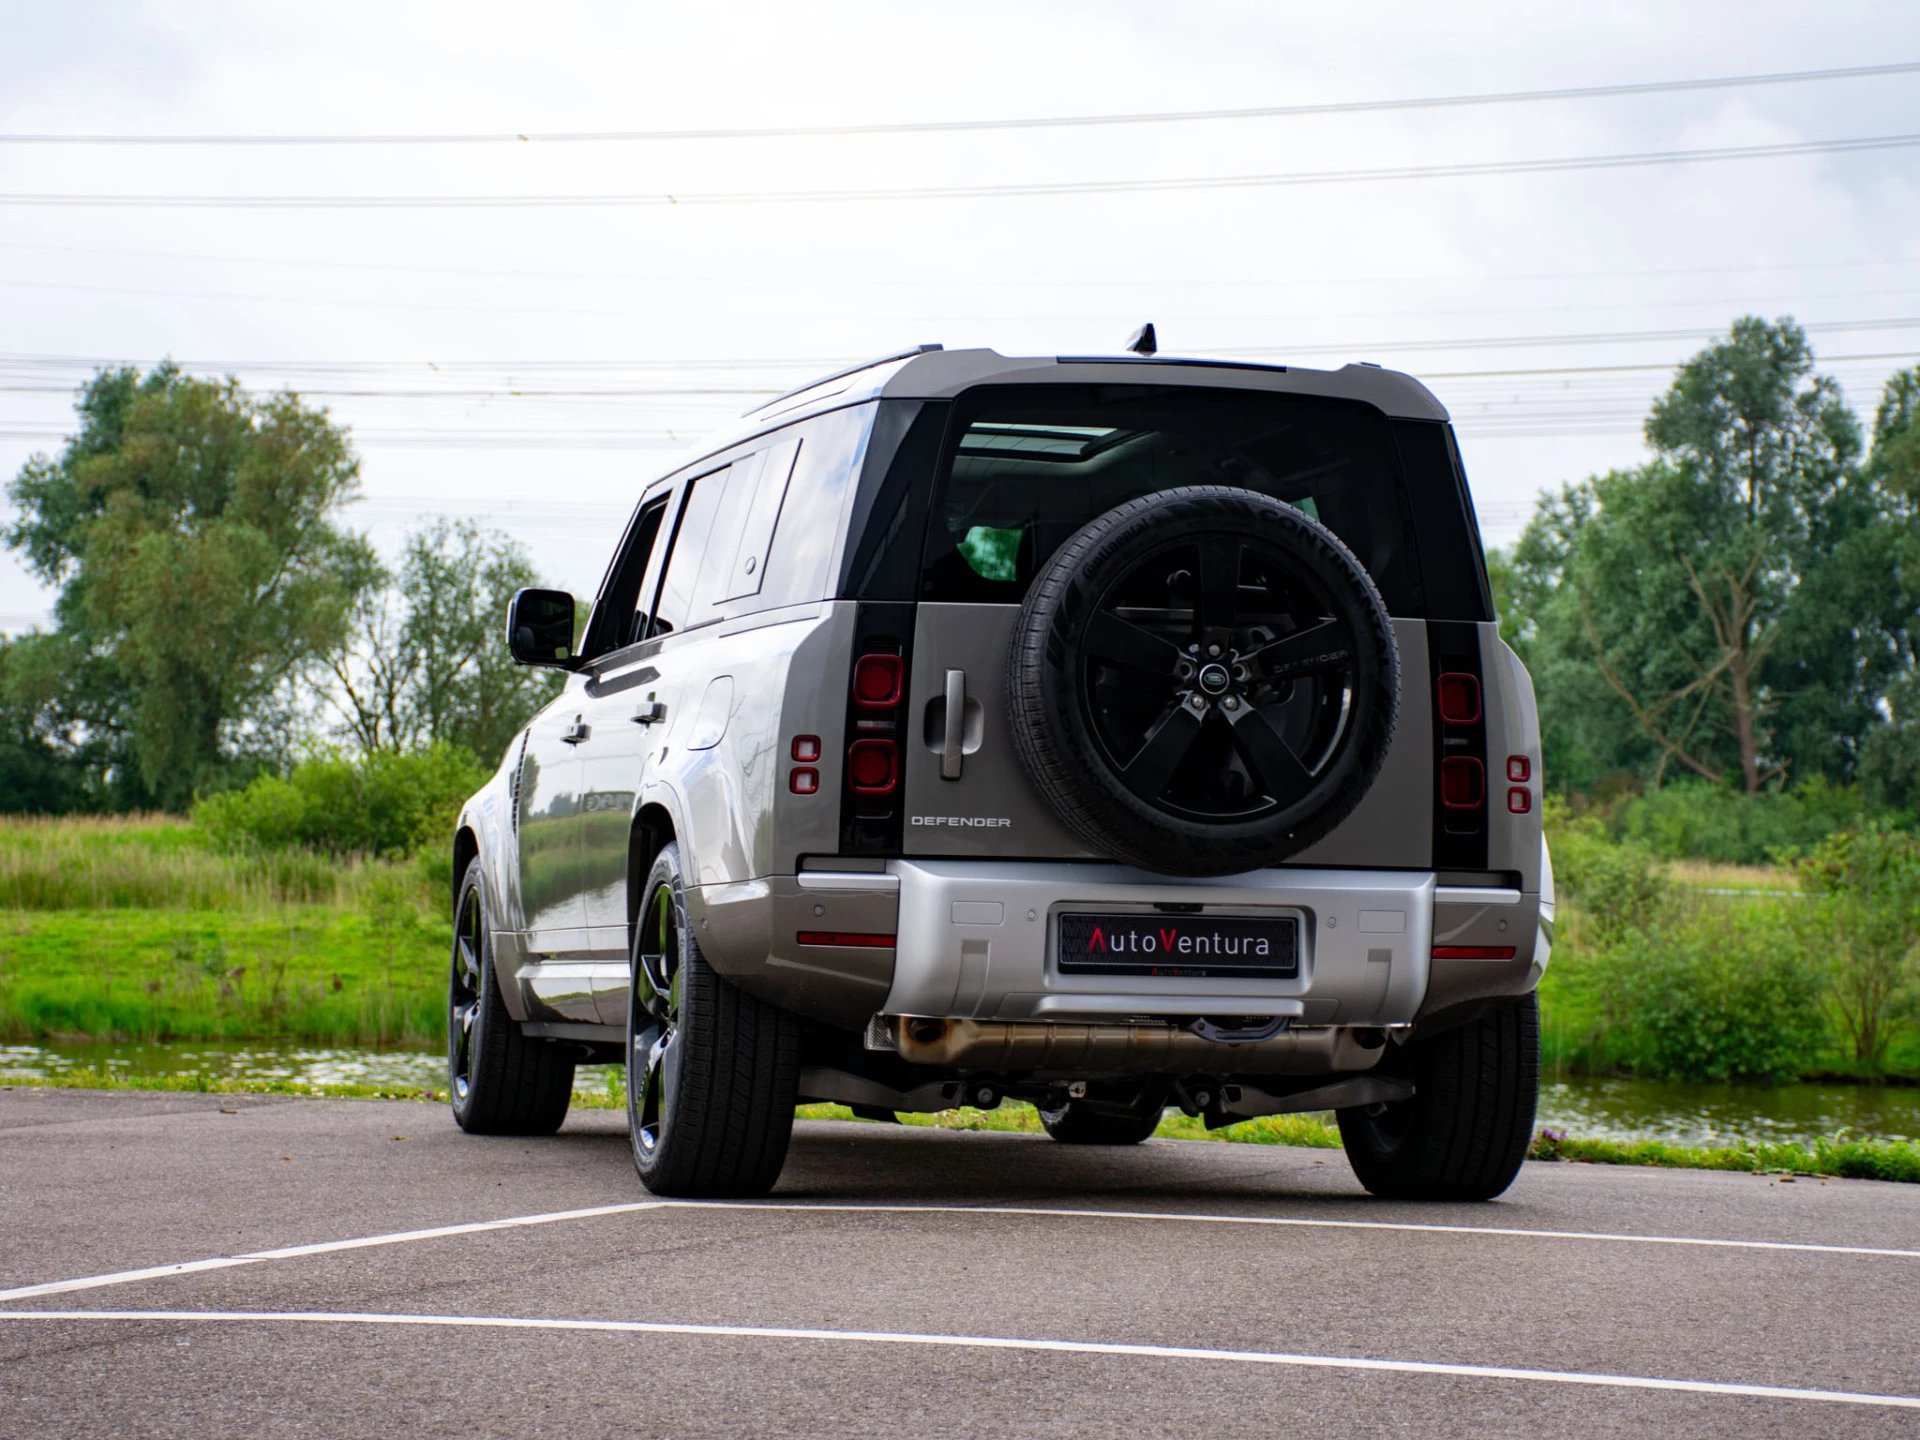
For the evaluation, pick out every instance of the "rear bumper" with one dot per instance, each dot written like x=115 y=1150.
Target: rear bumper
x=975 y=940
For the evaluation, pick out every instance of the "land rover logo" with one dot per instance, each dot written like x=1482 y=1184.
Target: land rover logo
x=1214 y=679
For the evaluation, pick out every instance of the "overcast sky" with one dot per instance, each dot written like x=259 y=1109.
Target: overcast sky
x=414 y=325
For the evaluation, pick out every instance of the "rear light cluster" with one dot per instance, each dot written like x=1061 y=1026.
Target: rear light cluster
x=873 y=741
x=1463 y=778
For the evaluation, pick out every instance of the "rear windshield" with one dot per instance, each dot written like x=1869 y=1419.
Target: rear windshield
x=1027 y=466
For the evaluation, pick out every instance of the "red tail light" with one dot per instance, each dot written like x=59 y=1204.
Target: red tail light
x=1463 y=783
x=873 y=767
x=877 y=680
x=1459 y=698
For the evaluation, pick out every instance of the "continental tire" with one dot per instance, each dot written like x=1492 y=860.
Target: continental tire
x=502 y=1082
x=1202 y=681
x=711 y=1070
x=1465 y=1131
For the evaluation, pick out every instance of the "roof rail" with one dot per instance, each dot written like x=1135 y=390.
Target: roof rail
x=842 y=374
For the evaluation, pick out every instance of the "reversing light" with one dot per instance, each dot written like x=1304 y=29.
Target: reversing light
x=806 y=748
x=877 y=681
x=804 y=781
x=1458 y=695
x=1519 y=769
x=1519 y=801
x=1463 y=783
x=873 y=767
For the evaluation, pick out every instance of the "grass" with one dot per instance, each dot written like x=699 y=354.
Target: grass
x=1896 y=1160
x=299 y=972
x=1713 y=875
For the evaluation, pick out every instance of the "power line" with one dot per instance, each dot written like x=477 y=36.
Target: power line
x=663 y=199
x=900 y=316
x=864 y=281
x=924 y=127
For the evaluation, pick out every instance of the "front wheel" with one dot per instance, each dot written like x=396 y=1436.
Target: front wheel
x=1078 y=1123
x=502 y=1082
x=1466 y=1128
x=712 y=1072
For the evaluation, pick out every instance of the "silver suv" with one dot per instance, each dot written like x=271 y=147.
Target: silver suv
x=1107 y=732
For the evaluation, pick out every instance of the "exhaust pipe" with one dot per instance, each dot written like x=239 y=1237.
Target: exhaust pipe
x=1080 y=1050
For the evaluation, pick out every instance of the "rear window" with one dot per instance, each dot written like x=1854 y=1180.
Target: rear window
x=1024 y=467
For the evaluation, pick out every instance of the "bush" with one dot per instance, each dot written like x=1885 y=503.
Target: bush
x=1868 y=919
x=1696 y=821
x=1619 y=888
x=380 y=804
x=1717 y=994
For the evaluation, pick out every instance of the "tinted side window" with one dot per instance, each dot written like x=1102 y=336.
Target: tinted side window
x=807 y=534
x=677 y=607
x=620 y=617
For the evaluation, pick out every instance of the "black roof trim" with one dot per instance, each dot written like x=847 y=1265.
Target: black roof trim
x=818 y=381
x=1166 y=360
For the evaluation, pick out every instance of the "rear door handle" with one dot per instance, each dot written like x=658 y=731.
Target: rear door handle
x=951 y=754
x=576 y=732
x=651 y=713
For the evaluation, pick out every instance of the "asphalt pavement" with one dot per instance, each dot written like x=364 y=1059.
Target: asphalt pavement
x=188 y=1265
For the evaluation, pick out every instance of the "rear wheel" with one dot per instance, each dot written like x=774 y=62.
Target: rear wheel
x=1077 y=1123
x=1466 y=1128
x=502 y=1082
x=711 y=1071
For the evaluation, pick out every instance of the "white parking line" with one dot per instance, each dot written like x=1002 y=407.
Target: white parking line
x=982 y=1342
x=325 y=1247
x=1288 y=1221
x=405 y=1237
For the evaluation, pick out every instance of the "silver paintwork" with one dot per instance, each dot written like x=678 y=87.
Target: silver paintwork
x=1356 y=967
x=691 y=728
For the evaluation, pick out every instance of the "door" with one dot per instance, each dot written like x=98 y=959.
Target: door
x=546 y=807
x=623 y=711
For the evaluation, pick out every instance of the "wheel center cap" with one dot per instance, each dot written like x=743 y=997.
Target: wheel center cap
x=1214 y=679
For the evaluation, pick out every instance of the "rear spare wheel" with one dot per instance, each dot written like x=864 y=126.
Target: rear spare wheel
x=1202 y=681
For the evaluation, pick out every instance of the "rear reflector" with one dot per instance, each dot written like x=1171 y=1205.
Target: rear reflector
x=1473 y=952
x=1459 y=698
x=876 y=681
x=873 y=767
x=1463 y=783
x=855 y=940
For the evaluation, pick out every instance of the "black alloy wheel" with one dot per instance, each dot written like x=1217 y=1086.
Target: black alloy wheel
x=653 y=1025
x=1203 y=681
x=501 y=1082
x=712 y=1072
x=463 y=994
x=1216 y=678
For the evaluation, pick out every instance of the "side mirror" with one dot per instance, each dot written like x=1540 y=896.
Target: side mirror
x=540 y=628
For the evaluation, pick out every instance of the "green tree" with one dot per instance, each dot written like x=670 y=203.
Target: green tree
x=190 y=529
x=427 y=661
x=1722 y=610
x=1890 y=759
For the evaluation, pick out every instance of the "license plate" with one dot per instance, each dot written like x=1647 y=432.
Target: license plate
x=1189 y=947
